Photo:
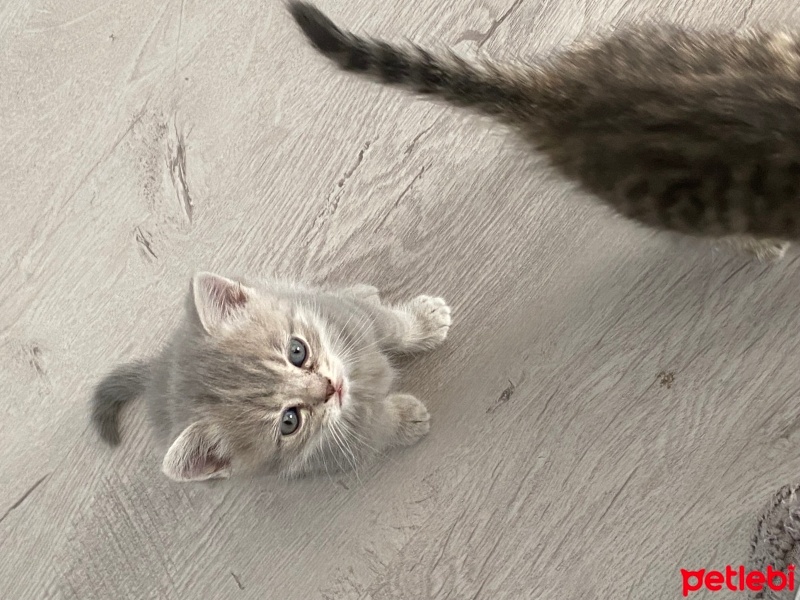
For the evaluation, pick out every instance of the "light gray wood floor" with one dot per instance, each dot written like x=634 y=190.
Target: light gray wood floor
x=652 y=383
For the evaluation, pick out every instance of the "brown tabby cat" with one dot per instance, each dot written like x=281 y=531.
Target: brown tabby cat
x=697 y=133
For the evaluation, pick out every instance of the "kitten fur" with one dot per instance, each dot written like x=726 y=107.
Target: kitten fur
x=697 y=133
x=220 y=388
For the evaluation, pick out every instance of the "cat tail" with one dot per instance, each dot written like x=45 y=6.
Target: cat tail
x=116 y=389
x=495 y=90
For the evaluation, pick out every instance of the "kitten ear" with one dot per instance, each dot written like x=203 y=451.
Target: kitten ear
x=219 y=301
x=199 y=453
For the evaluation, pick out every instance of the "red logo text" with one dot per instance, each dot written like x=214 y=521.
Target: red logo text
x=737 y=580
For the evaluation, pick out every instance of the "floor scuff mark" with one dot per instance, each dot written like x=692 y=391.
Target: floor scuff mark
x=237 y=580
x=666 y=379
x=24 y=497
x=349 y=173
x=505 y=396
x=35 y=360
x=482 y=37
x=332 y=201
x=410 y=148
x=145 y=243
x=402 y=195
x=176 y=162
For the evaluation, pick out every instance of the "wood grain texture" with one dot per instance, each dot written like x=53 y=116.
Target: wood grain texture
x=611 y=405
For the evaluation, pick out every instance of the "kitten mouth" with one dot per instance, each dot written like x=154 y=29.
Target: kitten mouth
x=335 y=393
x=339 y=394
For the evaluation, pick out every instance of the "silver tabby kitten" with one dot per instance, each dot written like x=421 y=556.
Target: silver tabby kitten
x=278 y=378
x=693 y=132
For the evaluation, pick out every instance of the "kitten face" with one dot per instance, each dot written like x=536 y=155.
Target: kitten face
x=266 y=384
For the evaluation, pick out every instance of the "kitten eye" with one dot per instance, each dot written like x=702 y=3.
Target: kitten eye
x=297 y=352
x=290 y=421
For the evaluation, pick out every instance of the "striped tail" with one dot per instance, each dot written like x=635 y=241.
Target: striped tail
x=491 y=89
x=119 y=387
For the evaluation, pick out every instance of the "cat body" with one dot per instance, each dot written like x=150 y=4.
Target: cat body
x=696 y=133
x=277 y=378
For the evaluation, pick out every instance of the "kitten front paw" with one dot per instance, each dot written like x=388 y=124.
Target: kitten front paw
x=432 y=316
x=412 y=420
x=765 y=250
x=770 y=251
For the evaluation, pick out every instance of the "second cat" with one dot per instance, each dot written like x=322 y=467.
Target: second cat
x=692 y=132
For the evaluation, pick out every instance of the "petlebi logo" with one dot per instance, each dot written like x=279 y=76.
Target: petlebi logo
x=736 y=579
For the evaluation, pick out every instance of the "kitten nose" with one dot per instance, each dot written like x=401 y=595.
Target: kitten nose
x=330 y=390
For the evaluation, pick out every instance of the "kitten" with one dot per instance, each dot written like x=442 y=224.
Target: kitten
x=697 y=133
x=280 y=378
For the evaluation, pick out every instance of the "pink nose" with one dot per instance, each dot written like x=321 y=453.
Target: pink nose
x=329 y=390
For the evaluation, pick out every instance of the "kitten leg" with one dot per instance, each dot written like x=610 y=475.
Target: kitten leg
x=418 y=325
x=765 y=250
x=409 y=419
x=364 y=292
